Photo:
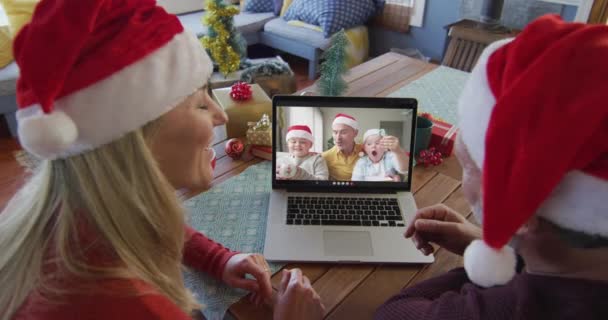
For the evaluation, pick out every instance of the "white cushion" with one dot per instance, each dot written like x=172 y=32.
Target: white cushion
x=181 y=6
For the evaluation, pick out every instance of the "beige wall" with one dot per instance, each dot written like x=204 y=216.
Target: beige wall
x=369 y=119
x=181 y=6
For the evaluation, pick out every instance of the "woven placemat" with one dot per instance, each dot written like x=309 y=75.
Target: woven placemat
x=233 y=213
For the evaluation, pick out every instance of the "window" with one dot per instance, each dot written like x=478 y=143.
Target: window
x=418 y=11
x=583 y=10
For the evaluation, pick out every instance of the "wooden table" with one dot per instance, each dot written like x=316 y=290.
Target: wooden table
x=355 y=291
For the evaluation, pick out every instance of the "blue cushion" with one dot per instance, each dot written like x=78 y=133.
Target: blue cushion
x=278 y=5
x=259 y=5
x=332 y=15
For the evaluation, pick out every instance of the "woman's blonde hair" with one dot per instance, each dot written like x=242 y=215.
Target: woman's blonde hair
x=118 y=192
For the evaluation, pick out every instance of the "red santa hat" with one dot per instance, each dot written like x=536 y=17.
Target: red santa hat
x=533 y=117
x=299 y=131
x=342 y=118
x=92 y=71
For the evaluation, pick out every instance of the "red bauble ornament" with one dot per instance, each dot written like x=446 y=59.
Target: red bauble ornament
x=234 y=148
x=241 y=91
x=430 y=157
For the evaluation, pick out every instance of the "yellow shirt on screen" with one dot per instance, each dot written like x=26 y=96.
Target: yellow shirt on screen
x=341 y=166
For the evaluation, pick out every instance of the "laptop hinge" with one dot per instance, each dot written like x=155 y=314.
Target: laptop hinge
x=316 y=190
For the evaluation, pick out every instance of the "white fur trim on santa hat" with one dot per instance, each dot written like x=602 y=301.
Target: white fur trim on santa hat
x=476 y=104
x=372 y=132
x=347 y=121
x=126 y=100
x=299 y=134
x=488 y=267
x=578 y=203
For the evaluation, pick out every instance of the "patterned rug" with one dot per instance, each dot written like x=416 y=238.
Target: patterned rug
x=27 y=160
x=437 y=92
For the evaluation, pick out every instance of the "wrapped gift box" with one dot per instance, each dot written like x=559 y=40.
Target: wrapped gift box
x=240 y=113
x=443 y=136
x=259 y=137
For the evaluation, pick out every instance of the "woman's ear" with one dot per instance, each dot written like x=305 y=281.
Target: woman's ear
x=531 y=226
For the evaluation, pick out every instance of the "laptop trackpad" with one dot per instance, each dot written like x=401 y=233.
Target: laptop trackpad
x=347 y=243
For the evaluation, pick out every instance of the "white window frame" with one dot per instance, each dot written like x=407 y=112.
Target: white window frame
x=583 y=8
x=417 y=18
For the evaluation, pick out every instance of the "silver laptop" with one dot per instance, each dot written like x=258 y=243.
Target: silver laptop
x=331 y=214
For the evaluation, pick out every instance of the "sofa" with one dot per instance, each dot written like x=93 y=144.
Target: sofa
x=301 y=40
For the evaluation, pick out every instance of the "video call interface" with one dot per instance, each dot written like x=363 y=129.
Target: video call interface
x=343 y=146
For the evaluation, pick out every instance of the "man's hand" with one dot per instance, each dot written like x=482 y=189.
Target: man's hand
x=297 y=299
x=254 y=264
x=391 y=143
x=443 y=226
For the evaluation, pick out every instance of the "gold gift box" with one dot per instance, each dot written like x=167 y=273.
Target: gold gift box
x=259 y=137
x=240 y=113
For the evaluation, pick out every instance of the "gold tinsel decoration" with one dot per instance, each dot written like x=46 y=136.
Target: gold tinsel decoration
x=227 y=59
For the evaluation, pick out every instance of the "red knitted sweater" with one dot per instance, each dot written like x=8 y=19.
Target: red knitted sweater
x=130 y=299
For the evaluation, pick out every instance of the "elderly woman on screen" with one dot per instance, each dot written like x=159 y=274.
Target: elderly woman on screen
x=112 y=98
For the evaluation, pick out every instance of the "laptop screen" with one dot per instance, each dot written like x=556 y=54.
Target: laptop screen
x=343 y=144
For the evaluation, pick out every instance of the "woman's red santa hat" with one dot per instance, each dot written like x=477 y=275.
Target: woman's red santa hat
x=299 y=131
x=342 y=118
x=533 y=117
x=92 y=71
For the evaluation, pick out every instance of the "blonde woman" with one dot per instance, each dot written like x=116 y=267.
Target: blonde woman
x=109 y=98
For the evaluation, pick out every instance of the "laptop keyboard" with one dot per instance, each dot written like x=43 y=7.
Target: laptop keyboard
x=328 y=211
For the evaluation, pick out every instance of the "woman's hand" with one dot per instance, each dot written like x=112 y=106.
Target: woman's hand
x=297 y=299
x=242 y=264
x=443 y=226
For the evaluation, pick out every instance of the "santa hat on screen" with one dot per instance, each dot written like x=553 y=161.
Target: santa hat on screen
x=533 y=117
x=112 y=67
x=342 y=118
x=371 y=132
x=299 y=131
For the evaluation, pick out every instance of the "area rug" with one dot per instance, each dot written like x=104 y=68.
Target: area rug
x=437 y=92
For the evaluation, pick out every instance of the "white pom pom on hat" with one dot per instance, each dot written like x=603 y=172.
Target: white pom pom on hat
x=48 y=134
x=515 y=124
x=487 y=266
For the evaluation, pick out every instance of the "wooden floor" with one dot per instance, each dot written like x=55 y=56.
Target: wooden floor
x=12 y=175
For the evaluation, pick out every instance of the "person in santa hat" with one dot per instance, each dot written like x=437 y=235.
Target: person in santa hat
x=300 y=163
x=112 y=98
x=343 y=156
x=534 y=152
x=382 y=158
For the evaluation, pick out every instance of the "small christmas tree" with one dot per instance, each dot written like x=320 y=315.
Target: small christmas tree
x=331 y=82
x=225 y=44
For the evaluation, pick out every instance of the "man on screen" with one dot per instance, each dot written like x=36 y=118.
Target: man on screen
x=341 y=159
